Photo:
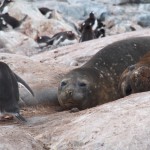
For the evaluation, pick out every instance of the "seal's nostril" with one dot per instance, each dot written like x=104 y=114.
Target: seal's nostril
x=69 y=92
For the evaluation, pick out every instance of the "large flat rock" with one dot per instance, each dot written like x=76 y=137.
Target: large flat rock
x=123 y=124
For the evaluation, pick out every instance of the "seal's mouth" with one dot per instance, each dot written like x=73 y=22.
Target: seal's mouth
x=69 y=104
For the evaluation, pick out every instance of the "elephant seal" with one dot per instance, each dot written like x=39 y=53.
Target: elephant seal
x=136 y=78
x=96 y=82
x=9 y=92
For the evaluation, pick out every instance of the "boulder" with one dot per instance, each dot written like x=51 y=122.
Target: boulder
x=122 y=124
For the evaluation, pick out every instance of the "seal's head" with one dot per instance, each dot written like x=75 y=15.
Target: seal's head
x=78 y=89
x=135 y=79
x=124 y=82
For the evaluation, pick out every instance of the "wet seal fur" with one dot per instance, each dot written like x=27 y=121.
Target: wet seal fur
x=96 y=82
x=9 y=92
x=136 y=78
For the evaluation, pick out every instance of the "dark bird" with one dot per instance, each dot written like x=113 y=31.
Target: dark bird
x=92 y=20
x=3 y=6
x=13 y=22
x=43 y=40
x=46 y=12
x=87 y=33
x=9 y=92
x=3 y=24
x=97 y=28
x=100 y=30
x=63 y=38
x=99 y=33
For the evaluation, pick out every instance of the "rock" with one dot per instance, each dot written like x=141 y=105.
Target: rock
x=120 y=2
x=144 y=20
x=117 y=18
x=122 y=124
x=19 y=43
x=74 y=63
x=16 y=139
x=36 y=21
x=105 y=126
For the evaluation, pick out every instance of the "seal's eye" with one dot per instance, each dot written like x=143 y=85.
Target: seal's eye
x=63 y=83
x=82 y=84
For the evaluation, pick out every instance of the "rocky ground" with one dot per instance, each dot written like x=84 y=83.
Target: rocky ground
x=119 y=16
x=122 y=124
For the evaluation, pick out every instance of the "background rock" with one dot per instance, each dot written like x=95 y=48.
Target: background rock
x=117 y=18
x=14 y=138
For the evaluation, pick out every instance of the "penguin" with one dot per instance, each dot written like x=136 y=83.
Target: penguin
x=46 y=12
x=43 y=40
x=91 y=20
x=3 y=24
x=100 y=30
x=87 y=33
x=13 y=22
x=97 y=26
x=4 y=6
x=9 y=92
x=63 y=38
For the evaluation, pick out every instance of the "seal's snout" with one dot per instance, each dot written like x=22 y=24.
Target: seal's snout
x=69 y=92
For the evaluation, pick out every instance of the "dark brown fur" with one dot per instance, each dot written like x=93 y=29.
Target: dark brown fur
x=137 y=79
